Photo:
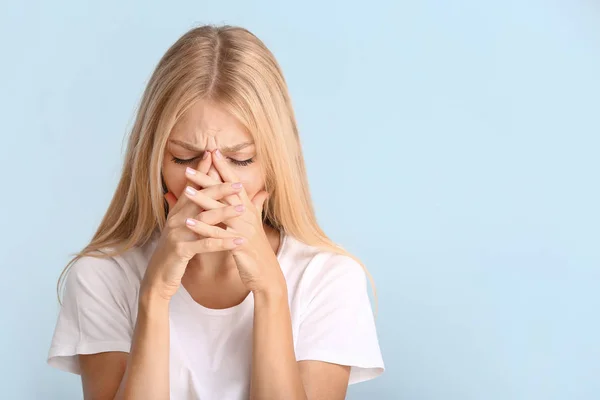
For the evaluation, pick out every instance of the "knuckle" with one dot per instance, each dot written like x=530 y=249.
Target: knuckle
x=201 y=197
x=172 y=237
x=171 y=223
x=207 y=192
x=215 y=243
x=180 y=249
x=251 y=229
x=203 y=217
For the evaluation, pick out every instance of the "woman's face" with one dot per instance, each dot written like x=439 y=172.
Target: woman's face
x=207 y=127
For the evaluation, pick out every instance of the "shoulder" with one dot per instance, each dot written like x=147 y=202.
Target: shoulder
x=332 y=316
x=99 y=305
x=315 y=270
x=99 y=269
x=103 y=268
x=314 y=260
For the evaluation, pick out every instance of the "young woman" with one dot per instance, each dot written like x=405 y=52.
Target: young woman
x=209 y=277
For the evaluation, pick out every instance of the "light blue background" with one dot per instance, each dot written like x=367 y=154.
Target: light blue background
x=453 y=146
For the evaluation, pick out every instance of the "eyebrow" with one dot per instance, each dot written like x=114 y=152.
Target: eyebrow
x=225 y=149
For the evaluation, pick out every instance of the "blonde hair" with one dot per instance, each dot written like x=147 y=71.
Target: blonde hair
x=231 y=67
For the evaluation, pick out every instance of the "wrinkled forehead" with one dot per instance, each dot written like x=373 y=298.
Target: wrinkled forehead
x=205 y=123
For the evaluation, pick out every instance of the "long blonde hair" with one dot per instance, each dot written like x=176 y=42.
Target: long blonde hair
x=230 y=66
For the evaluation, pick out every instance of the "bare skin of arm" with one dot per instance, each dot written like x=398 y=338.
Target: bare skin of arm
x=275 y=372
x=127 y=375
x=324 y=381
x=144 y=372
x=117 y=375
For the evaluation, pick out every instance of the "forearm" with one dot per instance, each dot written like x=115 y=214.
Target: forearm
x=147 y=373
x=275 y=372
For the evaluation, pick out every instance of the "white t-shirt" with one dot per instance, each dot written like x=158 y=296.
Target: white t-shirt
x=210 y=349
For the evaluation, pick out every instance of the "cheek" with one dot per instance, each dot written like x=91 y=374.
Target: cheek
x=252 y=181
x=174 y=177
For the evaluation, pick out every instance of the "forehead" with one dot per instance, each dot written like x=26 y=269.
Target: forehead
x=204 y=120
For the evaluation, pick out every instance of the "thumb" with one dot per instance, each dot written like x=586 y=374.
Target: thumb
x=259 y=200
x=171 y=200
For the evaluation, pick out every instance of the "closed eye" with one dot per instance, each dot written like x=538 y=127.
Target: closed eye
x=190 y=160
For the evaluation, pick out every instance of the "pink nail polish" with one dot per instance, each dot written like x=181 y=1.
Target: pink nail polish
x=218 y=154
x=238 y=240
x=237 y=185
x=190 y=222
x=190 y=171
x=190 y=190
x=239 y=208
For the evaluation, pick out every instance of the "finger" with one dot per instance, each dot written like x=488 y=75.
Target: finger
x=205 y=180
x=210 y=245
x=259 y=200
x=206 y=230
x=223 y=190
x=222 y=167
x=228 y=175
x=182 y=204
x=218 y=215
x=214 y=174
x=205 y=162
x=184 y=208
x=200 y=178
x=207 y=202
x=171 y=200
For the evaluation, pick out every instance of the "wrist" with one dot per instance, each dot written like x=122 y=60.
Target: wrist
x=275 y=295
x=151 y=298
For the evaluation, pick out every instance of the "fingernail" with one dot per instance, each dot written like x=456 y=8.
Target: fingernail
x=239 y=208
x=237 y=185
x=238 y=240
x=190 y=190
x=205 y=155
x=190 y=222
x=190 y=171
x=218 y=154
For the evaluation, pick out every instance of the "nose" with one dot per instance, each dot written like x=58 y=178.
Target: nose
x=212 y=146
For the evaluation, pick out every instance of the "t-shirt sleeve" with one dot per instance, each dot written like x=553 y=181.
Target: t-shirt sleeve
x=337 y=325
x=95 y=315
